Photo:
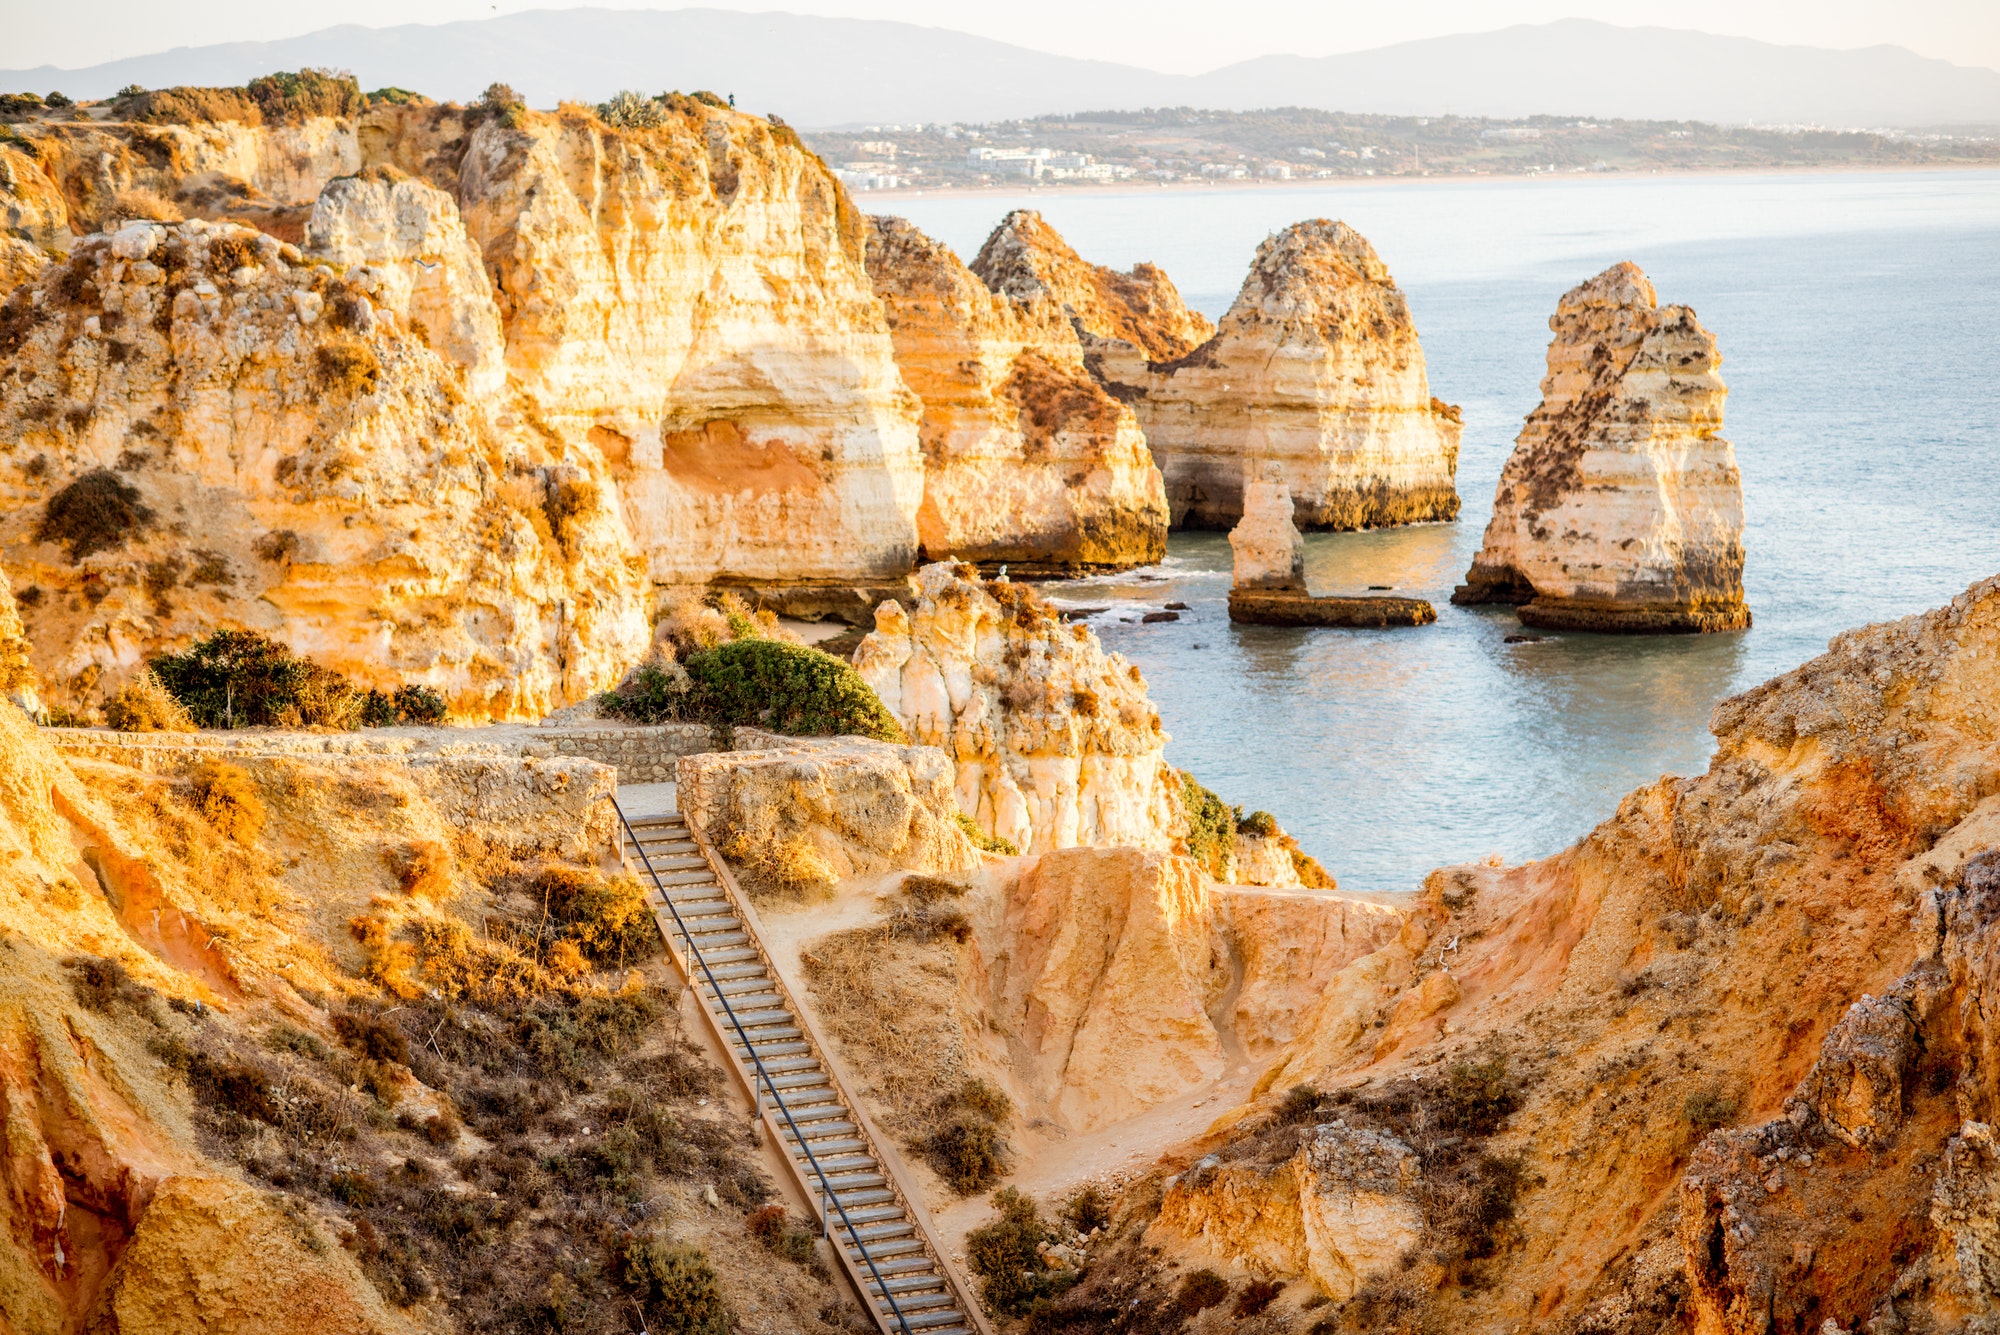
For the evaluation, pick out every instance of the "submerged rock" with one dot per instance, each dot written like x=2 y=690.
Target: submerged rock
x=1621 y=508
x=1027 y=461
x=1317 y=368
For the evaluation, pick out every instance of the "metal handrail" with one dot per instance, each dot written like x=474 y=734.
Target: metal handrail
x=827 y=1195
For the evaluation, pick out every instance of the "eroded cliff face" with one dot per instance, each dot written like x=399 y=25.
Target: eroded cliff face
x=202 y=429
x=1621 y=508
x=1315 y=369
x=690 y=305
x=660 y=344
x=1130 y=314
x=1794 y=945
x=1053 y=741
x=1027 y=461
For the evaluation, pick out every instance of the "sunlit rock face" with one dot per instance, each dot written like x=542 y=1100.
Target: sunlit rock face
x=199 y=429
x=1268 y=551
x=1621 y=508
x=1317 y=369
x=1027 y=461
x=1054 y=740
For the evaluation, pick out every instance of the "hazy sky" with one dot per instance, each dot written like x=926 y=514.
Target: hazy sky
x=1181 y=36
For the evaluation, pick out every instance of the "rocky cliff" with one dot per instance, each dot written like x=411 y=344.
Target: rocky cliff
x=221 y=1112
x=1027 y=461
x=1119 y=314
x=1053 y=741
x=1315 y=368
x=1621 y=508
x=1718 y=1067
x=1265 y=545
x=201 y=428
x=659 y=341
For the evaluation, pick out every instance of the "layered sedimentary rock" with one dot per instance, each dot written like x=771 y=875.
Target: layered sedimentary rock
x=403 y=242
x=1054 y=741
x=1268 y=551
x=678 y=369
x=1316 y=369
x=1728 y=1052
x=841 y=808
x=1027 y=461
x=1621 y=508
x=1119 y=315
x=203 y=430
x=17 y=668
x=693 y=310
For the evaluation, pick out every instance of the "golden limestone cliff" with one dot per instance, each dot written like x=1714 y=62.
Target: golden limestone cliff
x=1316 y=368
x=687 y=307
x=199 y=428
x=1027 y=461
x=1621 y=508
x=1053 y=741
x=1722 y=1066
x=658 y=348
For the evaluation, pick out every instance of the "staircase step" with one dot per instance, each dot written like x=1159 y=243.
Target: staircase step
x=725 y=932
x=665 y=862
x=773 y=1037
x=934 y=1301
x=786 y=1065
x=842 y=1143
x=895 y=1265
x=802 y=1080
x=694 y=876
x=937 y=1321
x=769 y=1050
x=734 y=973
x=854 y=1179
x=882 y=1239
x=808 y=1115
x=868 y=1214
x=867 y=1196
x=724 y=954
x=761 y=1017
x=903 y=1285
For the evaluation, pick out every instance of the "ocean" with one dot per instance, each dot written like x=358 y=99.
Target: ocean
x=1859 y=320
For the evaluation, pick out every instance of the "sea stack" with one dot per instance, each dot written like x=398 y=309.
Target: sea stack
x=1269 y=552
x=1621 y=508
x=1316 y=367
x=1269 y=583
x=1027 y=461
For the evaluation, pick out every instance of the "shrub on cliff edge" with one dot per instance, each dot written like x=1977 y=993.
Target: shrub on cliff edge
x=1211 y=839
x=238 y=678
x=786 y=688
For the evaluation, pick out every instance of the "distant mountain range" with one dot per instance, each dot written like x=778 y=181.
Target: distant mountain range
x=829 y=72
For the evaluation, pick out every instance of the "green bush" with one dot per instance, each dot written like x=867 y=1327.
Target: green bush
x=968 y=1152
x=786 y=688
x=1258 y=825
x=1211 y=826
x=608 y=921
x=675 y=1287
x=238 y=678
x=396 y=97
x=1003 y=1254
x=416 y=705
x=632 y=111
x=100 y=511
x=1087 y=1210
x=1478 y=1095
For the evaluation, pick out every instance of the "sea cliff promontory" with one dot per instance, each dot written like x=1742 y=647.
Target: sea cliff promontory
x=1621 y=508
x=1028 y=463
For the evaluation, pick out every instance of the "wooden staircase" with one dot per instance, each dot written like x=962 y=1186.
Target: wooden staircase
x=880 y=1232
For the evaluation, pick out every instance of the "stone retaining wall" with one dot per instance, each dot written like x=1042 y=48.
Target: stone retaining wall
x=644 y=754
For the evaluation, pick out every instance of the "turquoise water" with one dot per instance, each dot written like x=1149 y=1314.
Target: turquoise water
x=1859 y=319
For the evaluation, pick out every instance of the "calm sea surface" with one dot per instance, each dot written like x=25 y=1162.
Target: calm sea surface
x=1859 y=318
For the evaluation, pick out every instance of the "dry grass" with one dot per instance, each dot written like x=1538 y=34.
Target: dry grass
x=227 y=798
x=788 y=868
x=100 y=511
x=349 y=369
x=143 y=705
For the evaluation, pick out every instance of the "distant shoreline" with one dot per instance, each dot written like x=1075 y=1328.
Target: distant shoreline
x=1075 y=190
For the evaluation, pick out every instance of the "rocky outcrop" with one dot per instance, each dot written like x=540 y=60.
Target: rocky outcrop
x=691 y=313
x=1116 y=315
x=17 y=668
x=1268 y=551
x=1028 y=463
x=1343 y=1209
x=1316 y=369
x=202 y=429
x=821 y=812
x=1612 y=999
x=1621 y=508
x=402 y=241
x=34 y=221
x=1054 y=742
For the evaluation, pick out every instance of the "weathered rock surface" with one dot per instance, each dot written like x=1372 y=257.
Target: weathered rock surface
x=17 y=668
x=1268 y=551
x=1316 y=370
x=1054 y=741
x=403 y=242
x=845 y=808
x=1621 y=508
x=1120 y=315
x=1295 y=607
x=1796 y=946
x=1027 y=461
x=1341 y=1210
x=229 y=436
